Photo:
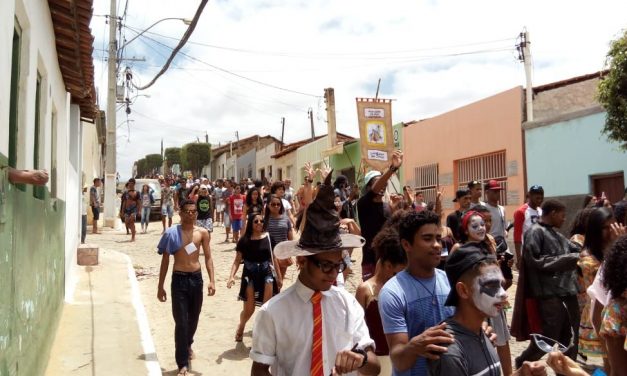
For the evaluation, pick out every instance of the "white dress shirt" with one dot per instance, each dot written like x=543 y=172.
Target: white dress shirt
x=283 y=331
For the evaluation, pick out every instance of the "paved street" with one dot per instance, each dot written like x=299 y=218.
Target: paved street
x=216 y=351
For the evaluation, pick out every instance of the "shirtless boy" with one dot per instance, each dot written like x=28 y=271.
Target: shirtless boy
x=130 y=206
x=184 y=241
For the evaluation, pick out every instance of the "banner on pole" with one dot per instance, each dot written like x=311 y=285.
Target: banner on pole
x=375 y=131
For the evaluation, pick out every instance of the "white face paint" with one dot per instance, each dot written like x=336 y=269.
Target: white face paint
x=488 y=293
x=476 y=228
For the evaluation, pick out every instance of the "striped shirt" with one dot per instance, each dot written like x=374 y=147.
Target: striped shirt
x=278 y=228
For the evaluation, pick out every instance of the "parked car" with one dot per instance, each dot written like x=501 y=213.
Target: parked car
x=155 y=208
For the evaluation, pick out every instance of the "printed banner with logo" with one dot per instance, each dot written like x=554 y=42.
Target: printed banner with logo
x=375 y=132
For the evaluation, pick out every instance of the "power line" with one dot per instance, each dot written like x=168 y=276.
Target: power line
x=235 y=74
x=188 y=33
x=323 y=55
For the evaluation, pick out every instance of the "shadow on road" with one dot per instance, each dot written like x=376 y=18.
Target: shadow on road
x=240 y=352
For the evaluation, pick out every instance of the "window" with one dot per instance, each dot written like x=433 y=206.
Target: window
x=14 y=94
x=53 y=154
x=38 y=190
x=426 y=180
x=483 y=168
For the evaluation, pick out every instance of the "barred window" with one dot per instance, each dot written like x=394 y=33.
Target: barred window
x=483 y=168
x=426 y=180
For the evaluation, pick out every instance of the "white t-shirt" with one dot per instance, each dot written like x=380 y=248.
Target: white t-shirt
x=286 y=204
x=532 y=216
x=498 y=219
x=284 y=342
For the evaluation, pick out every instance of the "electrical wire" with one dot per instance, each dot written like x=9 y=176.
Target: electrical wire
x=324 y=55
x=196 y=79
x=180 y=45
x=238 y=75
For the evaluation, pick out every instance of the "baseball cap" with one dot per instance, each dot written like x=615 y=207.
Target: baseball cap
x=461 y=193
x=202 y=186
x=493 y=185
x=467 y=256
x=473 y=183
x=536 y=189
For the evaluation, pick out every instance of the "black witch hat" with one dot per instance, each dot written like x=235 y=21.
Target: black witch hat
x=321 y=231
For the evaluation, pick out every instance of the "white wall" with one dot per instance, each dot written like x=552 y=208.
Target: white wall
x=263 y=160
x=38 y=54
x=312 y=153
x=92 y=156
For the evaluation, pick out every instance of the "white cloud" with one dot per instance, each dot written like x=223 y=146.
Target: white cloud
x=309 y=45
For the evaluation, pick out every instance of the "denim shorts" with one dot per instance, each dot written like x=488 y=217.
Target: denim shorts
x=205 y=223
x=167 y=209
x=236 y=224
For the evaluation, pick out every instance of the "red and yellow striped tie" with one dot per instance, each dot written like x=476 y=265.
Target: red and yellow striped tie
x=316 y=346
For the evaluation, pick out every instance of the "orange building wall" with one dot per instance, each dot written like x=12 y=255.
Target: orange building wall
x=489 y=125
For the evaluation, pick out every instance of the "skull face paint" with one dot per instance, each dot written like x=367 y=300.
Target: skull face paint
x=476 y=228
x=488 y=293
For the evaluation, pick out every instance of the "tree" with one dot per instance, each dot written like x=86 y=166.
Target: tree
x=194 y=156
x=141 y=167
x=173 y=156
x=153 y=163
x=613 y=92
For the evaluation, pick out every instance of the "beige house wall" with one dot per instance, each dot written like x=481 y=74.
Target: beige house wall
x=487 y=126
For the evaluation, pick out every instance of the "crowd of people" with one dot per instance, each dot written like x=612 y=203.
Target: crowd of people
x=433 y=299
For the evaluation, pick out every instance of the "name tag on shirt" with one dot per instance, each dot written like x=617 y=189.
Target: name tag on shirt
x=190 y=248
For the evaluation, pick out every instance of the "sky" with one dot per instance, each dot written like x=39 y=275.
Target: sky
x=250 y=63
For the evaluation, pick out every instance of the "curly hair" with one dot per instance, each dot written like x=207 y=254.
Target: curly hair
x=614 y=276
x=413 y=221
x=387 y=247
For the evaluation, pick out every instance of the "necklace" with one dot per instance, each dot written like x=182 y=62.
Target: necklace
x=434 y=300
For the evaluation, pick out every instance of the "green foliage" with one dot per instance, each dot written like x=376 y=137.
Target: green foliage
x=141 y=167
x=153 y=163
x=194 y=156
x=613 y=92
x=173 y=156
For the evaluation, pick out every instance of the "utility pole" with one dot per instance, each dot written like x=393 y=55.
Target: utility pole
x=310 y=114
x=329 y=98
x=110 y=166
x=282 y=130
x=524 y=55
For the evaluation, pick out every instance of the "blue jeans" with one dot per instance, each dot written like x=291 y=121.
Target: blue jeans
x=187 y=294
x=145 y=216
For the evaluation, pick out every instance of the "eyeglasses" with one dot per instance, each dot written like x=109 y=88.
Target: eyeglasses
x=275 y=204
x=327 y=266
x=191 y=212
x=257 y=221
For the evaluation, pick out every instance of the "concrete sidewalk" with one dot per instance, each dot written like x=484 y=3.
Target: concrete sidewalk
x=103 y=328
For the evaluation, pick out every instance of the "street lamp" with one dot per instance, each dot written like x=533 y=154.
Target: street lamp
x=110 y=165
x=186 y=21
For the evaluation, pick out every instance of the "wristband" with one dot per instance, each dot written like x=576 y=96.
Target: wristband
x=393 y=169
x=362 y=353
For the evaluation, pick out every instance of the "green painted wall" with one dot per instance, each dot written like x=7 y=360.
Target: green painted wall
x=32 y=234
x=397 y=132
x=350 y=158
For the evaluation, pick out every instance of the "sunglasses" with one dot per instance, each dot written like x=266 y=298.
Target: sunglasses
x=275 y=204
x=327 y=266
x=190 y=211
x=257 y=221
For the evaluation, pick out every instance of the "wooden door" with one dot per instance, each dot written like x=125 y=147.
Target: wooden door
x=613 y=185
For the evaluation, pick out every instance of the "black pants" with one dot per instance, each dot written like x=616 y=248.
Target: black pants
x=559 y=316
x=187 y=294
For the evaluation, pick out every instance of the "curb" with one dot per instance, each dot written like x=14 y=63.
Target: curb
x=151 y=360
